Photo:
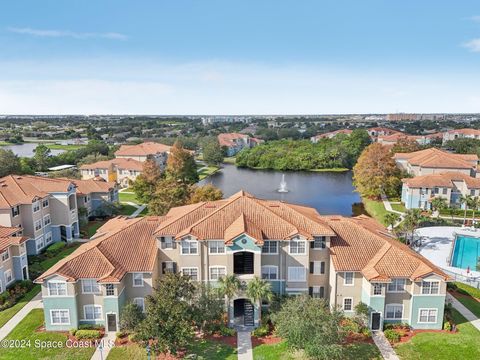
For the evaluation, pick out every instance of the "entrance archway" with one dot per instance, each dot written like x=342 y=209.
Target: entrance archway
x=243 y=312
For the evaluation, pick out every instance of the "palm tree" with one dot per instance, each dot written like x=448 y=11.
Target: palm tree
x=411 y=221
x=474 y=204
x=391 y=219
x=438 y=203
x=465 y=200
x=258 y=290
x=229 y=286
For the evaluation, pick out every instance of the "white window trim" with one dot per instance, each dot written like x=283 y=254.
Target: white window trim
x=172 y=242
x=143 y=302
x=110 y=296
x=38 y=222
x=91 y=292
x=320 y=248
x=57 y=281
x=49 y=218
x=297 y=241
x=430 y=294
x=214 y=254
x=343 y=304
x=272 y=253
x=397 y=291
x=9 y=271
x=393 y=304
x=33 y=206
x=373 y=290
x=94 y=306
x=345 y=278
x=215 y=266
x=189 y=241
x=47 y=235
x=61 y=324
x=270 y=267
x=189 y=268
x=48 y=203
x=7 y=252
x=319 y=262
x=297 y=267
x=133 y=279
x=427 y=322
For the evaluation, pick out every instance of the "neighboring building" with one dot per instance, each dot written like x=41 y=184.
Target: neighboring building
x=144 y=151
x=461 y=134
x=94 y=193
x=402 y=117
x=235 y=142
x=13 y=257
x=418 y=192
x=45 y=209
x=344 y=260
x=375 y=132
x=120 y=170
x=435 y=161
x=420 y=139
x=330 y=135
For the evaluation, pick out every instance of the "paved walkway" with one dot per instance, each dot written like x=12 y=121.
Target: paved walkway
x=467 y=314
x=35 y=303
x=244 y=345
x=102 y=350
x=138 y=211
x=384 y=346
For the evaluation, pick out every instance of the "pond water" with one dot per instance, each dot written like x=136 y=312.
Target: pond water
x=328 y=192
x=26 y=149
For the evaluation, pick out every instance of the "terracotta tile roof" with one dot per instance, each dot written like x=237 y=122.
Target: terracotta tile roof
x=131 y=247
x=93 y=186
x=465 y=132
x=436 y=158
x=363 y=245
x=143 y=149
x=228 y=139
x=442 y=180
x=7 y=237
x=121 y=163
x=243 y=226
x=333 y=133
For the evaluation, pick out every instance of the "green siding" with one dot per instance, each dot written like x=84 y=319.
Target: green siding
x=430 y=302
x=249 y=244
x=57 y=303
x=278 y=286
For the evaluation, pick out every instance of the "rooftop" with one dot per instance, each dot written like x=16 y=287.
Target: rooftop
x=446 y=179
x=435 y=158
x=121 y=163
x=143 y=149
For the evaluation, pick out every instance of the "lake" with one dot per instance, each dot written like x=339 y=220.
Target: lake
x=26 y=149
x=328 y=192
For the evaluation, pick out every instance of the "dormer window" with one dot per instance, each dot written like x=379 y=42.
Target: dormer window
x=319 y=243
x=15 y=211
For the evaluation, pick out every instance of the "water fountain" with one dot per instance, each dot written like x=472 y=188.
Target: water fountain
x=283 y=185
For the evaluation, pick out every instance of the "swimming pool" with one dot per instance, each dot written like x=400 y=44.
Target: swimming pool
x=466 y=252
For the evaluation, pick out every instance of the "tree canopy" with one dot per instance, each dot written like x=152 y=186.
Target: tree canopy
x=181 y=164
x=212 y=151
x=9 y=162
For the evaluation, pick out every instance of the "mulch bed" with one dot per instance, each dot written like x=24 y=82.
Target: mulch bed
x=410 y=334
x=457 y=294
x=355 y=338
x=269 y=340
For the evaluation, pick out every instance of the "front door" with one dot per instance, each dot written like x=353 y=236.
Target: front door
x=25 y=273
x=376 y=321
x=111 y=322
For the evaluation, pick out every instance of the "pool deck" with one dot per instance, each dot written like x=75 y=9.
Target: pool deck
x=437 y=246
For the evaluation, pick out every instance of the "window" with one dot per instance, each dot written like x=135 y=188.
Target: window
x=60 y=317
x=90 y=286
x=167 y=243
x=297 y=247
x=216 y=272
x=189 y=247
x=296 y=273
x=8 y=277
x=190 y=271
x=57 y=288
x=140 y=302
x=72 y=204
x=348 y=278
x=318 y=243
x=92 y=312
x=39 y=243
x=38 y=225
x=317 y=267
x=397 y=285
x=5 y=255
x=347 y=304
x=169 y=267
x=427 y=315
x=137 y=279
x=377 y=289
x=216 y=247
x=394 y=311
x=317 y=291
x=15 y=211
x=46 y=220
x=430 y=287
x=45 y=203
x=270 y=247
x=269 y=272
x=445 y=190
x=109 y=290
x=36 y=206
x=48 y=238
x=472 y=192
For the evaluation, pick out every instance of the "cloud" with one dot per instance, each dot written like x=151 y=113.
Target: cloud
x=66 y=33
x=472 y=45
x=475 y=18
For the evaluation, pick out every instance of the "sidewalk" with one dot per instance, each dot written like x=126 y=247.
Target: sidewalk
x=102 y=350
x=35 y=303
x=244 y=345
x=138 y=211
x=467 y=314
x=384 y=346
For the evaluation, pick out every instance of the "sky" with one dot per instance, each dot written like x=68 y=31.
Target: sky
x=239 y=57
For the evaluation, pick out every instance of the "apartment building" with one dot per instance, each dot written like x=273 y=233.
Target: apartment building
x=461 y=134
x=147 y=150
x=92 y=194
x=418 y=192
x=330 y=135
x=435 y=161
x=120 y=170
x=13 y=257
x=344 y=260
x=236 y=142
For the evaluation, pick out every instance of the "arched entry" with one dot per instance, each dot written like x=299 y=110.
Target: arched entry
x=243 y=263
x=243 y=312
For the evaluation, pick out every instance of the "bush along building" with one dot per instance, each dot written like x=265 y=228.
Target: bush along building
x=344 y=260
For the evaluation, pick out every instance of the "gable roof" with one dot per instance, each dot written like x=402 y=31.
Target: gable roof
x=228 y=139
x=8 y=237
x=121 y=163
x=143 y=149
x=93 y=186
x=435 y=158
x=465 y=131
x=445 y=179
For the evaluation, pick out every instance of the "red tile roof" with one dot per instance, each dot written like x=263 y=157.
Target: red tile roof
x=435 y=158
x=121 y=163
x=143 y=149
x=442 y=180
x=7 y=237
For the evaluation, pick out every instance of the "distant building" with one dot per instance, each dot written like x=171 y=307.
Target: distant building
x=461 y=134
x=235 y=142
x=414 y=117
x=120 y=170
x=147 y=150
x=375 y=132
x=420 y=139
x=330 y=135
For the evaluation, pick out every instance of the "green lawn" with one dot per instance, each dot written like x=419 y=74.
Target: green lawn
x=207 y=171
x=399 y=207
x=463 y=345
x=229 y=160
x=92 y=228
x=64 y=147
x=470 y=298
x=26 y=330
x=127 y=209
x=48 y=263
x=128 y=197
x=144 y=212
x=127 y=353
x=7 y=314
x=375 y=209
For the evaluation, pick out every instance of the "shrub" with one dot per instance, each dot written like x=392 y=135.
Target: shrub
x=87 y=334
x=55 y=249
x=120 y=334
x=135 y=337
x=130 y=317
x=366 y=332
x=261 y=331
x=90 y=327
x=349 y=325
x=392 y=335
x=226 y=331
x=72 y=332
x=447 y=326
